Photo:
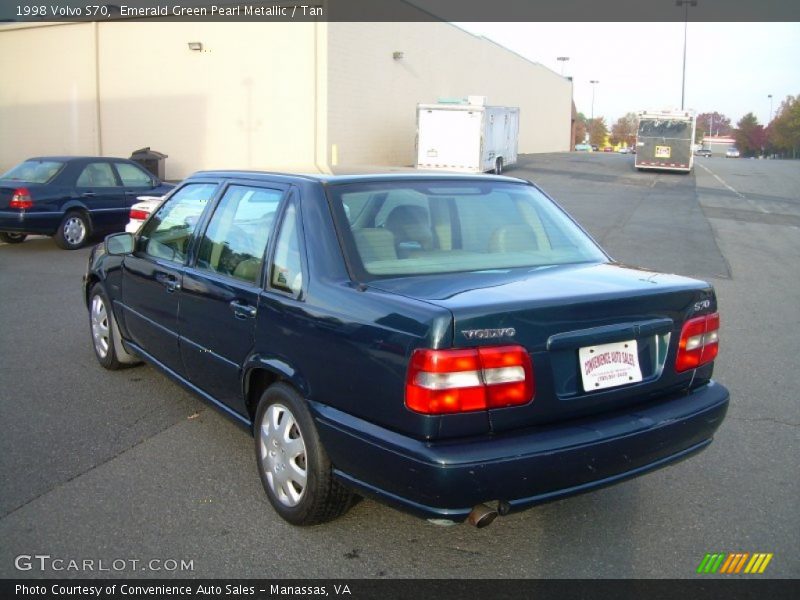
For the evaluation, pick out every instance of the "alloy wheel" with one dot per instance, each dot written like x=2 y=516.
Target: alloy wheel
x=74 y=231
x=100 y=329
x=283 y=455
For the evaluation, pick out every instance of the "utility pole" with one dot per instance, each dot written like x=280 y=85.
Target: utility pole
x=686 y=4
x=562 y=60
x=591 y=122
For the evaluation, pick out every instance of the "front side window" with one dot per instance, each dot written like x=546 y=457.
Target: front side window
x=169 y=231
x=98 y=174
x=133 y=176
x=423 y=227
x=238 y=232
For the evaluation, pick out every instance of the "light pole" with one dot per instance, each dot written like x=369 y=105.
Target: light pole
x=686 y=4
x=562 y=60
x=770 y=108
x=591 y=121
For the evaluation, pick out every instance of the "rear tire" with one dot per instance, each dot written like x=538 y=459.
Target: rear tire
x=295 y=469
x=73 y=231
x=12 y=238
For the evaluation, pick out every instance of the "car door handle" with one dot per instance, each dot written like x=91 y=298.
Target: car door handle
x=242 y=311
x=168 y=281
x=88 y=194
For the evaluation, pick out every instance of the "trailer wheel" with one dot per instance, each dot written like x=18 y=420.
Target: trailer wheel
x=498 y=167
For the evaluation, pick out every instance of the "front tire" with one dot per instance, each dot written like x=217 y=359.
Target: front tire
x=102 y=329
x=295 y=469
x=12 y=238
x=73 y=231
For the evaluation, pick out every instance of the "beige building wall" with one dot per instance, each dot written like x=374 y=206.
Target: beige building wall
x=246 y=101
x=47 y=98
x=259 y=95
x=372 y=97
x=254 y=98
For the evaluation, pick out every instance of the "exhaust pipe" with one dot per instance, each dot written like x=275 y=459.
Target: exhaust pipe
x=481 y=516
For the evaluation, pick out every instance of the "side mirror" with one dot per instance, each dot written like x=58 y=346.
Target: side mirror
x=119 y=244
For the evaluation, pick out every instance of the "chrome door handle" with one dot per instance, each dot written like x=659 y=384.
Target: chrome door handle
x=168 y=281
x=242 y=311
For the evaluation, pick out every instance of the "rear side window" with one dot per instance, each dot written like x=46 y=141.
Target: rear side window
x=422 y=227
x=237 y=234
x=133 y=176
x=98 y=174
x=168 y=233
x=34 y=171
x=286 y=272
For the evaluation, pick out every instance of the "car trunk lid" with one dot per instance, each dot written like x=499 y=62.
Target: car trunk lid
x=555 y=312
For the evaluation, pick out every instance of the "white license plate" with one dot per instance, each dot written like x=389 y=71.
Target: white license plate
x=663 y=152
x=609 y=365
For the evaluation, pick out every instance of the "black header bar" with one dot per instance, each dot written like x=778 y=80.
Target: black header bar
x=402 y=10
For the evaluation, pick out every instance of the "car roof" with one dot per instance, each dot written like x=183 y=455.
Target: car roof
x=360 y=176
x=72 y=157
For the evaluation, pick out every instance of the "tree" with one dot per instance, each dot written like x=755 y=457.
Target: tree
x=784 y=130
x=712 y=124
x=624 y=130
x=580 y=128
x=598 y=131
x=750 y=135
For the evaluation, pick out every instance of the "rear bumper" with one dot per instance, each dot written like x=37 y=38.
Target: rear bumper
x=444 y=480
x=19 y=221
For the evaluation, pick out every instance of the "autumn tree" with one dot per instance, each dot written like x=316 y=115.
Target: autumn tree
x=750 y=135
x=784 y=130
x=712 y=124
x=580 y=128
x=624 y=130
x=598 y=131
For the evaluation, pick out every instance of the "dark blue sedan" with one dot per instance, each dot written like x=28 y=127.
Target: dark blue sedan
x=71 y=197
x=455 y=346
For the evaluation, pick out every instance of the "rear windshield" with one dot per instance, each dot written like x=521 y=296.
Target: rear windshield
x=34 y=171
x=665 y=128
x=425 y=227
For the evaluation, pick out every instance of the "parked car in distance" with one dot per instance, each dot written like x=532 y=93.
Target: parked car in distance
x=703 y=152
x=624 y=150
x=583 y=148
x=732 y=153
x=71 y=197
x=594 y=147
x=455 y=346
x=140 y=211
x=608 y=149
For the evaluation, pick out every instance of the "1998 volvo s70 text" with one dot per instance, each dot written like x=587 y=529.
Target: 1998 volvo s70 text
x=455 y=346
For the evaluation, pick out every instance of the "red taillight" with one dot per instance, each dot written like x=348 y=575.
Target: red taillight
x=454 y=381
x=139 y=215
x=21 y=199
x=699 y=343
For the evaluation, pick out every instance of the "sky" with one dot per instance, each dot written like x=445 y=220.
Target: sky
x=731 y=68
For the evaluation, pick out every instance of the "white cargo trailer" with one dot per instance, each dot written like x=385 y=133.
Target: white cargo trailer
x=468 y=137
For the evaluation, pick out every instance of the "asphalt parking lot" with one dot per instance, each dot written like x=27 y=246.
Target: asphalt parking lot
x=108 y=465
